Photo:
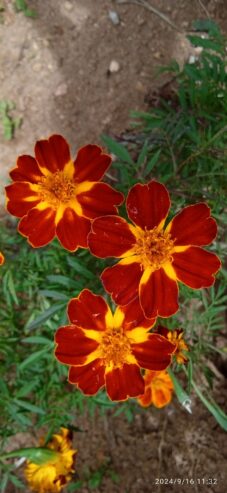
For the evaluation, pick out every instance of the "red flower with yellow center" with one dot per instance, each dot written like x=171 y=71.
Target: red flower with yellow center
x=154 y=257
x=2 y=258
x=176 y=337
x=158 y=389
x=105 y=349
x=56 y=196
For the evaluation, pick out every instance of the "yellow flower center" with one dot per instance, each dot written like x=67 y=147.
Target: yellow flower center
x=115 y=348
x=154 y=248
x=57 y=189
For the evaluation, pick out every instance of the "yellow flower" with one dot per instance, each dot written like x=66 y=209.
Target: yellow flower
x=176 y=337
x=56 y=471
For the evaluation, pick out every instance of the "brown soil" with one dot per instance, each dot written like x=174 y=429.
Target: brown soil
x=159 y=444
x=55 y=69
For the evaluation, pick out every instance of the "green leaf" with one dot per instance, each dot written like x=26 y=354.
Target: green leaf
x=11 y=287
x=207 y=25
x=214 y=409
x=34 y=357
x=205 y=43
x=29 y=407
x=46 y=315
x=96 y=479
x=8 y=127
x=142 y=154
x=117 y=149
x=74 y=486
x=17 y=482
x=55 y=295
x=190 y=372
x=37 y=340
x=62 y=280
x=182 y=396
x=22 y=6
x=26 y=389
x=38 y=455
x=152 y=162
x=4 y=389
x=79 y=267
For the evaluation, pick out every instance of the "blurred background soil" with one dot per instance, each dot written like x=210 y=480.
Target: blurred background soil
x=71 y=70
x=58 y=68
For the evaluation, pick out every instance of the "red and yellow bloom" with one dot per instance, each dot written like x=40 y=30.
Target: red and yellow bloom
x=105 y=349
x=176 y=336
x=154 y=257
x=55 y=472
x=2 y=258
x=56 y=196
x=158 y=389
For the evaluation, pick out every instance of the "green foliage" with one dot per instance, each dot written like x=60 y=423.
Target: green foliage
x=182 y=140
x=9 y=122
x=22 y=6
x=94 y=479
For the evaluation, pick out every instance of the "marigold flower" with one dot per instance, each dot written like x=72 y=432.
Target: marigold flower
x=154 y=257
x=105 y=349
x=176 y=337
x=2 y=258
x=158 y=389
x=53 y=474
x=56 y=196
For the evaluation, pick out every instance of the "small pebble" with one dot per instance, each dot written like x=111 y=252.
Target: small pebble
x=114 y=17
x=192 y=59
x=114 y=66
x=61 y=89
x=68 y=6
x=157 y=55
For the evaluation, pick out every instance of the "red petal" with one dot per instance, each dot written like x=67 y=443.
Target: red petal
x=18 y=194
x=154 y=354
x=53 y=153
x=110 y=237
x=88 y=311
x=91 y=163
x=100 y=200
x=193 y=226
x=134 y=316
x=148 y=205
x=159 y=295
x=27 y=170
x=89 y=378
x=195 y=267
x=124 y=382
x=72 y=230
x=38 y=226
x=122 y=282
x=73 y=346
x=2 y=258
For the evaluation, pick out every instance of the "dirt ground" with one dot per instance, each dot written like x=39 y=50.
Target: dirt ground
x=56 y=69
x=159 y=444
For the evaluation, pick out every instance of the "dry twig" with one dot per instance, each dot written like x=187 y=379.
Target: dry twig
x=152 y=9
